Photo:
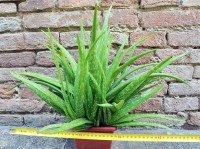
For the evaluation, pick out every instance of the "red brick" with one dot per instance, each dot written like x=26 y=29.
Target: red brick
x=8 y=8
x=181 y=104
x=158 y=40
x=10 y=24
x=165 y=53
x=118 y=2
x=145 y=59
x=195 y=118
x=158 y=3
x=58 y=19
x=74 y=53
x=35 y=5
x=42 y=70
x=163 y=92
x=68 y=39
x=11 y=0
x=120 y=17
x=170 y=18
x=182 y=71
x=21 y=105
x=26 y=93
x=44 y=58
x=152 y=105
x=192 y=57
x=5 y=73
x=33 y=40
x=75 y=3
x=10 y=42
x=118 y=38
x=179 y=89
x=17 y=59
x=196 y=72
x=189 y=3
x=24 y=41
x=5 y=92
x=184 y=39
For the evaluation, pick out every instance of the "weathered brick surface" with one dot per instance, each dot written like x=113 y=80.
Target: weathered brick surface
x=11 y=120
x=10 y=42
x=10 y=24
x=21 y=105
x=126 y=17
x=170 y=18
x=182 y=71
x=26 y=93
x=24 y=41
x=69 y=39
x=8 y=8
x=44 y=58
x=158 y=3
x=35 y=5
x=163 y=92
x=184 y=39
x=33 y=40
x=175 y=24
x=17 y=59
x=178 y=89
x=118 y=2
x=11 y=0
x=5 y=90
x=165 y=53
x=75 y=3
x=5 y=73
x=119 y=38
x=192 y=57
x=181 y=104
x=157 y=40
x=58 y=19
x=196 y=72
x=145 y=59
x=195 y=118
x=152 y=105
x=42 y=70
x=41 y=120
x=189 y=3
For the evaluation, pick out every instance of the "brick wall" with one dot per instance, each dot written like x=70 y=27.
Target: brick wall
x=176 y=25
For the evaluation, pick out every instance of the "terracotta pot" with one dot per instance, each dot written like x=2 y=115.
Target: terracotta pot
x=95 y=144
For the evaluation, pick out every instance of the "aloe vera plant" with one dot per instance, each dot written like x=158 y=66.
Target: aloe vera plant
x=94 y=91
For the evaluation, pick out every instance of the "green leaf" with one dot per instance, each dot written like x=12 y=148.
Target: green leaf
x=95 y=24
x=49 y=97
x=47 y=79
x=56 y=128
x=121 y=68
x=135 y=117
x=154 y=75
x=135 y=102
x=67 y=54
x=105 y=105
x=143 y=124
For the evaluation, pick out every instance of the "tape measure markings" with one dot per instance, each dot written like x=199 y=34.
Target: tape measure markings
x=110 y=136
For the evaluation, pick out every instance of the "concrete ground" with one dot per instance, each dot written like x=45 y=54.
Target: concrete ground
x=8 y=141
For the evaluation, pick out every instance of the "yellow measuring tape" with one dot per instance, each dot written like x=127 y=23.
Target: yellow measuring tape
x=110 y=136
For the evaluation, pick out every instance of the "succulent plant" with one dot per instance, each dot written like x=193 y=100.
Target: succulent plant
x=94 y=91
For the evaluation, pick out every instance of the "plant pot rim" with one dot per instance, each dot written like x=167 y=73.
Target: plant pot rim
x=103 y=129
